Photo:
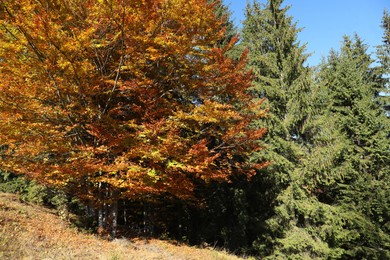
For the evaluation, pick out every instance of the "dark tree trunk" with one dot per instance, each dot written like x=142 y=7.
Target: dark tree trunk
x=107 y=211
x=113 y=218
x=102 y=209
x=102 y=219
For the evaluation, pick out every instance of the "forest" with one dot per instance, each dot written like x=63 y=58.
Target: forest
x=160 y=118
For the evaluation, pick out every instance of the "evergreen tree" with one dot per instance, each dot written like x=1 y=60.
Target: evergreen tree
x=277 y=60
x=326 y=144
x=359 y=192
x=383 y=54
x=337 y=203
x=223 y=13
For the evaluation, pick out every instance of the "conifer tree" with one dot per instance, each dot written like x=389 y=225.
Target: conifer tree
x=336 y=205
x=383 y=54
x=277 y=60
x=318 y=154
x=223 y=13
x=359 y=192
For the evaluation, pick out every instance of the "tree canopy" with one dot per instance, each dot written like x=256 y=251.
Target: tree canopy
x=134 y=95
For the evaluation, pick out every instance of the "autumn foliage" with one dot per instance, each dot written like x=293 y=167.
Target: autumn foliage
x=133 y=94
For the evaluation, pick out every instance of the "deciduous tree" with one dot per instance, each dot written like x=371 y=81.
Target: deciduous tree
x=114 y=99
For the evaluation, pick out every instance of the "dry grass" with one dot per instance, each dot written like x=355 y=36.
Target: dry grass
x=32 y=232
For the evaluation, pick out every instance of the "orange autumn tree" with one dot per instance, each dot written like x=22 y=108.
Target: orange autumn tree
x=112 y=99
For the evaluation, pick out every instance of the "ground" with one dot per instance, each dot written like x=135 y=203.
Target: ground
x=33 y=232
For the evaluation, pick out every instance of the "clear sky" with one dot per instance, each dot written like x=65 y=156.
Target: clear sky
x=324 y=22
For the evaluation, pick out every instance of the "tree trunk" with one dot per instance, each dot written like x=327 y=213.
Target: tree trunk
x=107 y=211
x=90 y=209
x=147 y=223
x=102 y=217
x=102 y=209
x=124 y=213
x=113 y=216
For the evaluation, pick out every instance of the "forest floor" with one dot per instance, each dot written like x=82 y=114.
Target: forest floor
x=29 y=231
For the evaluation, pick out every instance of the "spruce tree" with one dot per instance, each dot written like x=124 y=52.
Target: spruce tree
x=277 y=60
x=359 y=192
x=383 y=54
x=325 y=142
x=223 y=13
x=337 y=203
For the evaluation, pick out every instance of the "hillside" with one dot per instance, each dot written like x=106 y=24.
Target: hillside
x=33 y=232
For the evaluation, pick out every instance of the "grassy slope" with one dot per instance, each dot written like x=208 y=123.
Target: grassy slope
x=33 y=232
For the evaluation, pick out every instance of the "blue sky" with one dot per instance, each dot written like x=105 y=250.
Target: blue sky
x=324 y=22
